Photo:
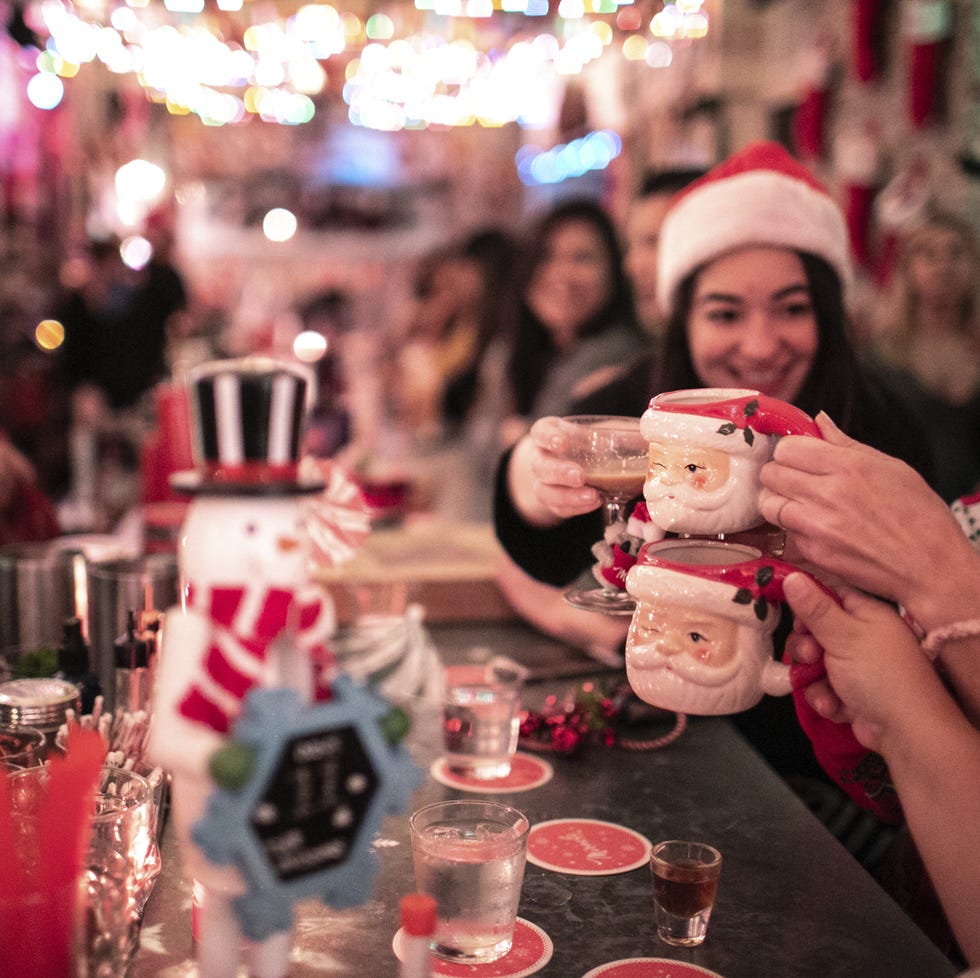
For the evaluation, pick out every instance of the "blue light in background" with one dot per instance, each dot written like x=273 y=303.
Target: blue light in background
x=594 y=151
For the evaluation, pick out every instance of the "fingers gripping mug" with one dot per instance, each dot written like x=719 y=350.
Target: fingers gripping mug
x=700 y=639
x=707 y=446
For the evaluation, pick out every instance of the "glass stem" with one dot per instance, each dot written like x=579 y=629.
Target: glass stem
x=613 y=511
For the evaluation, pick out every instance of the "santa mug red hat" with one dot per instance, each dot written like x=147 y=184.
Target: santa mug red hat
x=700 y=640
x=758 y=197
x=707 y=446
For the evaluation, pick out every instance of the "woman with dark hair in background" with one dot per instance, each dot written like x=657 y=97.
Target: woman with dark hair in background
x=574 y=317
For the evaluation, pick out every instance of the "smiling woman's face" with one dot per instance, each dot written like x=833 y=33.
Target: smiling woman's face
x=573 y=280
x=752 y=323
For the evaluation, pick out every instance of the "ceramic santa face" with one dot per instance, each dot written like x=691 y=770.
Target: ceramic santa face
x=707 y=447
x=700 y=640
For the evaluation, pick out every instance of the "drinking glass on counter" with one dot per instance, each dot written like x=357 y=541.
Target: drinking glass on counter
x=480 y=720
x=685 y=882
x=21 y=746
x=119 y=865
x=613 y=454
x=470 y=856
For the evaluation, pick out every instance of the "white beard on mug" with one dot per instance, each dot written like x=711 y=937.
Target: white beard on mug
x=681 y=683
x=732 y=507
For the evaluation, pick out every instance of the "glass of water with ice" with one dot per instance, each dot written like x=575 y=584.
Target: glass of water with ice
x=470 y=856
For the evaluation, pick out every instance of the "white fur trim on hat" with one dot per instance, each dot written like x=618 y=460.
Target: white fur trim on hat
x=645 y=583
x=674 y=428
x=762 y=207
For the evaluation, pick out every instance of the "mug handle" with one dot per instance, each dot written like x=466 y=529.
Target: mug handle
x=782 y=678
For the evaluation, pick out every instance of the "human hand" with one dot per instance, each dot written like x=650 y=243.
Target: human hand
x=875 y=668
x=864 y=517
x=546 y=486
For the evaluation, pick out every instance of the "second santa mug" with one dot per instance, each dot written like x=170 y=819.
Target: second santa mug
x=700 y=639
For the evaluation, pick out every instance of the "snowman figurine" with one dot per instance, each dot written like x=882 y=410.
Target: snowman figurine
x=250 y=619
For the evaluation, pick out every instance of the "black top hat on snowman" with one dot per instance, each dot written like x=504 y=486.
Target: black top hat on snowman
x=248 y=419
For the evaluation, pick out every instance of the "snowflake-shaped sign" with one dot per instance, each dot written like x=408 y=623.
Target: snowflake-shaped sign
x=322 y=779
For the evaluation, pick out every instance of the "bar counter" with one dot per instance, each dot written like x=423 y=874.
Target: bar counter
x=792 y=902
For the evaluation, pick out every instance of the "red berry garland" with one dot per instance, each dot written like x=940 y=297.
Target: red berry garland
x=586 y=716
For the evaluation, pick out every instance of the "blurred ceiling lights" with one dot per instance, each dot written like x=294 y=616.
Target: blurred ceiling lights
x=439 y=63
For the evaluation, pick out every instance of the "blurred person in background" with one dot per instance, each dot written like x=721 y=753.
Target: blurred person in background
x=112 y=356
x=927 y=332
x=27 y=515
x=454 y=320
x=646 y=214
x=574 y=326
x=328 y=429
x=111 y=343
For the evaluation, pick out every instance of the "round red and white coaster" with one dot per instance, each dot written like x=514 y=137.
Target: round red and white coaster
x=650 y=968
x=526 y=772
x=531 y=951
x=586 y=847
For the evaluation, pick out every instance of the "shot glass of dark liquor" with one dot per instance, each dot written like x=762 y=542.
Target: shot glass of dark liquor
x=685 y=882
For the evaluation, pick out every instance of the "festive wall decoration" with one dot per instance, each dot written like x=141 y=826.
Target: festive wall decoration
x=927 y=25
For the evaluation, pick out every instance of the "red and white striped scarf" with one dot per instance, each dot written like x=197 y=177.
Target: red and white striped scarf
x=244 y=624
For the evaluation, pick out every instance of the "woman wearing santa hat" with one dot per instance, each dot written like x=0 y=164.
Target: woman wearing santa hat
x=754 y=265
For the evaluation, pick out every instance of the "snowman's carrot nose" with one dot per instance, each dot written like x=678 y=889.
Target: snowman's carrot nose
x=285 y=544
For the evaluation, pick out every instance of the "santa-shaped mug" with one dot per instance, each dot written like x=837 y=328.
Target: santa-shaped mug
x=700 y=639
x=707 y=446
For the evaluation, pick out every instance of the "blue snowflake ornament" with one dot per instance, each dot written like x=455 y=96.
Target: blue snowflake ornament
x=300 y=823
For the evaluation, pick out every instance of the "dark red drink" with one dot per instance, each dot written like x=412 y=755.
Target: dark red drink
x=685 y=888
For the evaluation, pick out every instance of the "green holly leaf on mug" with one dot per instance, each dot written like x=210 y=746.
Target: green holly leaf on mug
x=743 y=596
x=728 y=428
x=761 y=608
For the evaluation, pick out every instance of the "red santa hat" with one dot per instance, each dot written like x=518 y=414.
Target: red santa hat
x=733 y=581
x=760 y=196
x=736 y=421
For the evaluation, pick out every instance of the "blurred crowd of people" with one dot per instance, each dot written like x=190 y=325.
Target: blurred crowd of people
x=503 y=325
x=703 y=283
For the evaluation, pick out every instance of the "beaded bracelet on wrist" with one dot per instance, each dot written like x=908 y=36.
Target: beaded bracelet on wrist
x=933 y=642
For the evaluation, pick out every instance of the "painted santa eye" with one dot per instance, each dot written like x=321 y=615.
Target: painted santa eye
x=692 y=468
x=696 y=637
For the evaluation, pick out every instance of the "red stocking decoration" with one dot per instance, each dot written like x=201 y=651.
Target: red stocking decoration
x=810 y=116
x=858 y=166
x=927 y=26
x=865 y=14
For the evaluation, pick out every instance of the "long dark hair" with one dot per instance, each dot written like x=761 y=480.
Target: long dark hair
x=835 y=381
x=533 y=349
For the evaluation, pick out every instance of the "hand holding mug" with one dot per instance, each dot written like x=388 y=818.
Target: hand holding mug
x=700 y=640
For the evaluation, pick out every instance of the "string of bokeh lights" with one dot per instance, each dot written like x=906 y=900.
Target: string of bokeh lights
x=441 y=63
